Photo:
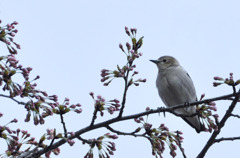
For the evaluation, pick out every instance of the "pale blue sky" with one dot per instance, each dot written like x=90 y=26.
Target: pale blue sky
x=68 y=42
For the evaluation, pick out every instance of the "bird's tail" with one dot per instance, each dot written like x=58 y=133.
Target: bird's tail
x=193 y=121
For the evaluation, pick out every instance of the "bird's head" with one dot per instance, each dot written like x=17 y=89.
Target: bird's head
x=165 y=62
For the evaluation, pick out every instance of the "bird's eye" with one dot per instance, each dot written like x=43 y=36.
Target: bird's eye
x=164 y=60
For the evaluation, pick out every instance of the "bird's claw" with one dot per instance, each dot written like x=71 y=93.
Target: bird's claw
x=187 y=105
x=161 y=109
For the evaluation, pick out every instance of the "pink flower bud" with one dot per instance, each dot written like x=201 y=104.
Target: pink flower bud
x=114 y=136
x=202 y=96
x=128 y=46
x=14 y=121
x=214 y=108
x=216 y=116
x=78 y=111
x=212 y=103
x=29 y=68
x=127 y=31
x=217 y=78
x=15 y=23
x=78 y=105
x=24 y=132
x=91 y=93
x=44 y=93
x=67 y=99
x=37 y=77
x=133 y=30
x=15 y=31
x=73 y=106
x=12 y=34
x=116 y=101
x=215 y=84
x=71 y=142
x=72 y=133
x=135 y=72
x=18 y=46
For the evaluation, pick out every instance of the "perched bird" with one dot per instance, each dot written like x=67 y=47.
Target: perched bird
x=176 y=87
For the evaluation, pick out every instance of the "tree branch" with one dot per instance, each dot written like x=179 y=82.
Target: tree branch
x=94 y=116
x=64 y=125
x=84 y=140
x=225 y=139
x=36 y=154
x=221 y=124
x=180 y=145
x=124 y=133
x=125 y=92
x=234 y=115
x=19 y=102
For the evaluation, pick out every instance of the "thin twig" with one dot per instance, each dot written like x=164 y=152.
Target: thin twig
x=225 y=139
x=234 y=115
x=231 y=99
x=49 y=146
x=180 y=145
x=126 y=86
x=64 y=125
x=94 y=116
x=84 y=140
x=19 y=102
x=124 y=133
x=234 y=89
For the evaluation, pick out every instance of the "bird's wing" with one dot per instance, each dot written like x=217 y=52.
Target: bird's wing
x=177 y=87
x=180 y=89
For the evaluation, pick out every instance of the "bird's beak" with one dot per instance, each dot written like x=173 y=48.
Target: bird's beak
x=155 y=61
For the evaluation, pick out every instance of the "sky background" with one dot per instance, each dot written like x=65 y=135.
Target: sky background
x=67 y=43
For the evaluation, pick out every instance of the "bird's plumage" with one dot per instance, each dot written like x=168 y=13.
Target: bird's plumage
x=176 y=87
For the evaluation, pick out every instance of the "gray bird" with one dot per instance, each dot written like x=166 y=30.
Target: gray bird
x=176 y=87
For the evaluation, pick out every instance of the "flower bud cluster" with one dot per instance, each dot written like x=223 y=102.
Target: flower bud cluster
x=15 y=139
x=55 y=151
x=229 y=81
x=132 y=54
x=205 y=113
x=65 y=107
x=136 y=82
x=51 y=135
x=101 y=104
x=39 y=104
x=108 y=75
x=132 y=50
x=105 y=148
x=161 y=136
x=9 y=69
x=6 y=35
x=39 y=100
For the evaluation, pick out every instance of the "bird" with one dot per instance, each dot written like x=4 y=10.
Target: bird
x=175 y=87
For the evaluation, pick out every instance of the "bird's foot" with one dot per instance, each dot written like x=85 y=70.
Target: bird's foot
x=187 y=105
x=161 y=109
